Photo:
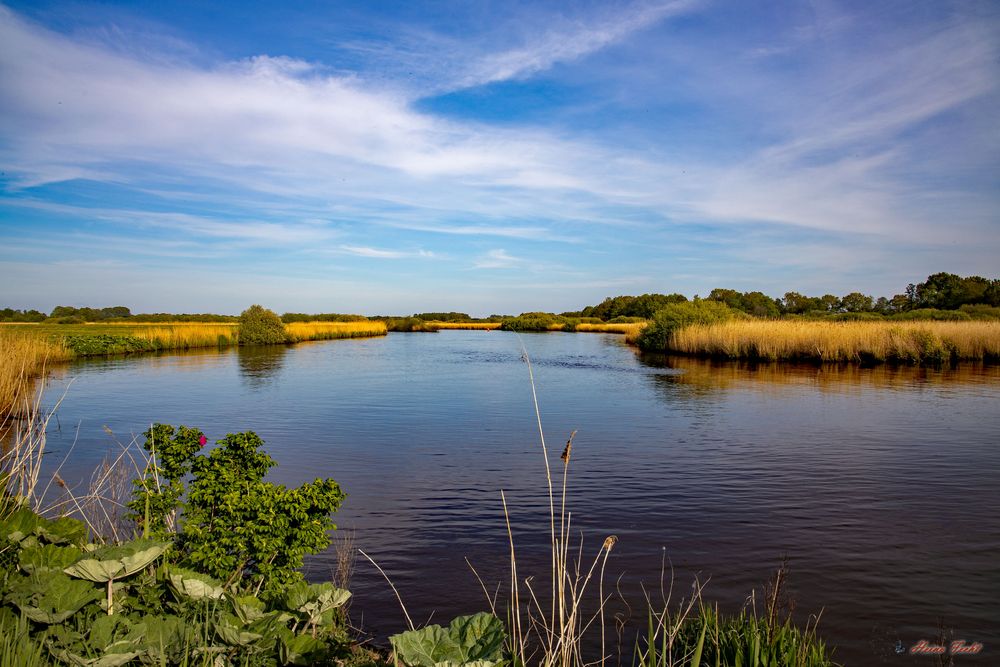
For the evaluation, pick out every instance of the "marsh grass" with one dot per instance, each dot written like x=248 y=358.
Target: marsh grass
x=303 y=331
x=479 y=326
x=626 y=328
x=23 y=357
x=903 y=342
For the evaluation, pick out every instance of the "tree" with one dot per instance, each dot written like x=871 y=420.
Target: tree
x=260 y=326
x=856 y=302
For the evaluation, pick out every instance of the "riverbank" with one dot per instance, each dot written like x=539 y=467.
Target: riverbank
x=825 y=342
x=27 y=350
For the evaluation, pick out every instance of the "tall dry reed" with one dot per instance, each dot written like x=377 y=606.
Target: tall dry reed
x=186 y=336
x=484 y=326
x=909 y=342
x=23 y=358
x=302 y=331
x=619 y=328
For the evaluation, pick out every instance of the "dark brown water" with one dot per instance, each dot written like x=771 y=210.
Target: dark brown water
x=880 y=486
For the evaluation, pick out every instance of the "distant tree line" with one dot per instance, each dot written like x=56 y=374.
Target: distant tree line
x=64 y=313
x=941 y=291
x=941 y=296
x=74 y=315
x=288 y=318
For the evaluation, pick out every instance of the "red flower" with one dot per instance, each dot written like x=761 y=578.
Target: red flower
x=202 y=440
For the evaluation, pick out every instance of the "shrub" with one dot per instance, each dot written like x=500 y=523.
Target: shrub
x=669 y=319
x=532 y=322
x=234 y=523
x=981 y=311
x=260 y=326
x=409 y=324
x=86 y=346
x=934 y=314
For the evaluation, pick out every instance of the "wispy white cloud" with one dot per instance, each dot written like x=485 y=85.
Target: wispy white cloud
x=498 y=259
x=569 y=41
x=381 y=253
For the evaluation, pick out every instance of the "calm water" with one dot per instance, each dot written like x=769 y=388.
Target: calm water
x=881 y=487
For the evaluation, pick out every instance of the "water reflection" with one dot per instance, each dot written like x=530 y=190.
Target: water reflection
x=707 y=378
x=259 y=365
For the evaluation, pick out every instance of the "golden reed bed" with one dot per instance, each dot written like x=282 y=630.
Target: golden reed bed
x=23 y=357
x=301 y=331
x=483 y=326
x=612 y=328
x=27 y=350
x=841 y=341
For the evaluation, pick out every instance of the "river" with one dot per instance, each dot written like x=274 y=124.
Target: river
x=879 y=487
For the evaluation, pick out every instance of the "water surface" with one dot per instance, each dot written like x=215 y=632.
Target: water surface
x=879 y=486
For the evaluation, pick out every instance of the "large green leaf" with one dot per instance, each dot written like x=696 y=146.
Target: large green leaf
x=426 y=647
x=194 y=585
x=299 y=650
x=107 y=563
x=165 y=636
x=467 y=640
x=63 y=530
x=19 y=524
x=51 y=599
x=480 y=636
x=111 y=659
x=313 y=602
x=48 y=558
x=231 y=630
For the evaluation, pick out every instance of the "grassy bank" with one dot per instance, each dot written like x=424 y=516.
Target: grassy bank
x=482 y=326
x=900 y=342
x=303 y=331
x=22 y=358
x=626 y=328
x=27 y=349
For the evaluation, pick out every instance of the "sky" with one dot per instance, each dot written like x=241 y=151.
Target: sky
x=491 y=157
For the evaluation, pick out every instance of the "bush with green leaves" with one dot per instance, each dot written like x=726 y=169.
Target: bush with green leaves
x=260 y=326
x=64 y=601
x=656 y=336
x=536 y=321
x=235 y=526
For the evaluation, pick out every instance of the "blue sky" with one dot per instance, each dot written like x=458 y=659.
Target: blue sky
x=381 y=157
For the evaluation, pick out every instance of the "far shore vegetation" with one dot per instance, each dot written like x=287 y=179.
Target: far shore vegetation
x=154 y=563
x=945 y=319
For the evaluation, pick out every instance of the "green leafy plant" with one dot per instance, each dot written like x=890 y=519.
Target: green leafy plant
x=468 y=640
x=157 y=494
x=236 y=527
x=106 y=564
x=162 y=615
x=656 y=336
x=260 y=326
x=235 y=522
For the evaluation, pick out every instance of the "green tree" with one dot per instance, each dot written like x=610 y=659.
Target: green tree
x=856 y=302
x=260 y=326
x=656 y=336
